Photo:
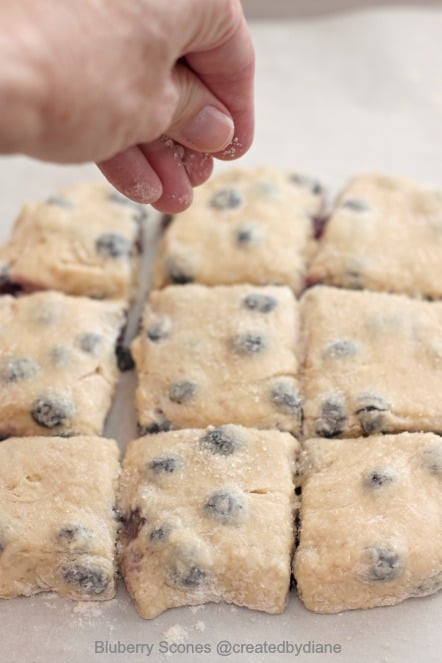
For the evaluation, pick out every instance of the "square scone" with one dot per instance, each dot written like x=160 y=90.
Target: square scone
x=384 y=234
x=57 y=517
x=372 y=363
x=84 y=240
x=58 y=364
x=371 y=511
x=208 y=516
x=244 y=226
x=211 y=356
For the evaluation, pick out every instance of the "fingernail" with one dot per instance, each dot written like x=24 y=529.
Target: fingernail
x=209 y=131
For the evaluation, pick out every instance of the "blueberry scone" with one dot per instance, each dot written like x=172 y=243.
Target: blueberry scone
x=211 y=356
x=208 y=516
x=370 y=521
x=244 y=226
x=82 y=241
x=372 y=363
x=384 y=234
x=57 y=516
x=58 y=365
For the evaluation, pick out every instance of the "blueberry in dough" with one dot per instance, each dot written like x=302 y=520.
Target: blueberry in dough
x=226 y=199
x=18 y=368
x=159 y=534
x=158 y=330
x=182 y=392
x=60 y=201
x=248 y=343
x=190 y=577
x=178 y=273
x=73 y=535
x=225 y=506
x=51 y=411
x=160 y=425
x=184 y=568
x=379 y=477
x=248 y=234
x=89 y=342
x=371 y=414
x=87 y=579
x=332 y=419
x=221 y=441
x=384 y=563
x=343 y=348
x=167 y=465
x=285 y=398
x=355 y=205
x=308 y=182
x=259 y=302
x=112 y=245
x=432 y=459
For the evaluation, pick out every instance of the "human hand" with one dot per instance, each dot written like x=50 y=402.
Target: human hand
x=146 y=88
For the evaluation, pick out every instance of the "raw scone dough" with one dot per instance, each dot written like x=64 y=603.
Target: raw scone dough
x=57 y=518
x=384 y=234
x=372 y=363
x=244 y=226
x=371 y=514
x=83 y=241
x=58 y=366
x=211 y=356
x=208 y=516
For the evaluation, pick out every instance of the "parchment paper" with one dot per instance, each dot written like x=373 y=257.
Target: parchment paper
x=336 y=95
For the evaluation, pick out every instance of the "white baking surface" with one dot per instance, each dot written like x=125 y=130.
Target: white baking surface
x=337 y=94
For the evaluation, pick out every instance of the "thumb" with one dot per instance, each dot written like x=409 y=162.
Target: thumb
x=200 y=121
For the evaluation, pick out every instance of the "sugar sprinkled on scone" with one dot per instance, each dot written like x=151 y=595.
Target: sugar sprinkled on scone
x=58 y=365
x=384 y=234
x=226 y=354
x=208 y=516
x=370 y=521
x=244 y=226
x=372 y=363
x=57 y=517
x=84 y=240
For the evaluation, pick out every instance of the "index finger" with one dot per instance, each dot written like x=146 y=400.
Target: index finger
x=228 y=70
